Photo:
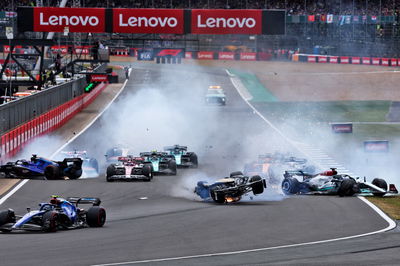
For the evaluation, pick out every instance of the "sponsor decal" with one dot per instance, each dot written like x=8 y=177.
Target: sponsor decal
x=366 y=61
x=344 y=60
x=145 y=54
x=248 y=56
x=221 y=21
x=376 y=61
x=342 y=128
x=355 y=60
x=98 y=78
x=311 y=58
x=322 y=59
x=226 y=56
x=333 y=59
x=385 y=61
x=48 y=19
x=205 y=55
x=376 y=146
x=169 y=21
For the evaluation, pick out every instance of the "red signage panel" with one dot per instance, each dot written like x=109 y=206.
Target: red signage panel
x=170 y=21
x=226 y=56
x=222 y=21
x=98 y=78
x=248 y=56
x=54 y=19
x=205 y=55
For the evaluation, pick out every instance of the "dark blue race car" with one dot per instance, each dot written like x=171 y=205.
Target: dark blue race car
x=39 y=167
x=59 y=213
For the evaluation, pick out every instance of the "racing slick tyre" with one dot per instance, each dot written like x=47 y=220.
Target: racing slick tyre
x=110 y=172
x=193 y=160
x=96 y=216
x=7 y=216
x=257 y=184
x=381 y=184
x=148 y=172
x=236 y=173
x=52 y=172
x=290 y=186
x=50 y=222
x=217 y=196
x=347 y=188
x=172 y=167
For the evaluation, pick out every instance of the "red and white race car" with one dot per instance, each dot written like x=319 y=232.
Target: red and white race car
x=130 y=168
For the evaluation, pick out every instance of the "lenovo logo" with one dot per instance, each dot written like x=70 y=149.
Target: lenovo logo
x=50 y=19
x=68 y=21
x=226 y=21
x=147 y=22
x=168 y=21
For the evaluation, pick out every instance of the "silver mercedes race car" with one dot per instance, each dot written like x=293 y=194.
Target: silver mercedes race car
x=332 y=183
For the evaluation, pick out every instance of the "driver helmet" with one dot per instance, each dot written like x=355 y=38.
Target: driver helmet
x=55 y=200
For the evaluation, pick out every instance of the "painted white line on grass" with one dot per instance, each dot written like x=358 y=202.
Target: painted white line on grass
x=23 y=182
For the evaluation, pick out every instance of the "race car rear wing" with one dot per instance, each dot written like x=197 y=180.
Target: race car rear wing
x=84 y=200
x=169 y=148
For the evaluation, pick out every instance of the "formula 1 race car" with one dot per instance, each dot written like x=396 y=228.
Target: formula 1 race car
x=230 y=189
x=39 y=166
x=183 y=158
x=90 y=166
x=114 y=153
x=272 y=166
x=162 y=162
x=332 y=183
x=215 y=95
x=59 y=213
x=130 y=168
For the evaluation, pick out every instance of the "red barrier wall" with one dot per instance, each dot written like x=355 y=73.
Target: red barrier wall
x=13 y=141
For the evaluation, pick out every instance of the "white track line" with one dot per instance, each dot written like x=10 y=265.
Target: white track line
x=391 y=223
x=23 y=182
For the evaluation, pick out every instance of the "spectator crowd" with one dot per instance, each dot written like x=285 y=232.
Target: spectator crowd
x=293 y=7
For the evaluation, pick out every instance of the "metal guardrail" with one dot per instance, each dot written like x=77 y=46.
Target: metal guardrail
x=26 y=108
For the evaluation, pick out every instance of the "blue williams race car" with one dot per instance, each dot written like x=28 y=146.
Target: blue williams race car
x=183 y=158
x=59 y=213
x=39 y=167
x=162 y=162
x=332 y=183
x=230 y=189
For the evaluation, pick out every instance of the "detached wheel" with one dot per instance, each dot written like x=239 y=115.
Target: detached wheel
x=217 y=196
x=347 y=188
x=96 y=216
x=290 y=186
x=52 y=172
x=50 y=222
x=258 y=185
x=110 y=172
x=381 y=183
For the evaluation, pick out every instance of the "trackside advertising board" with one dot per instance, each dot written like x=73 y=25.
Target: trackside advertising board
x=376 y=146
x=148 y=20
x=342 y=128
x=158 y=21
x=53 y=19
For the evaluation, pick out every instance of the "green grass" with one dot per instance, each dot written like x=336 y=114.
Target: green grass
x=337 y=111
x=390 y=205
x=254 y=86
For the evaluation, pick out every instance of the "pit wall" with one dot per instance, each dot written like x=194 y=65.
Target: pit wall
x=13 y=141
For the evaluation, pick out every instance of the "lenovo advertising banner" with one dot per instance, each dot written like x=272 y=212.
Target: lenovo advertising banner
x=376 y=146
x=54 y=19
x=226 y=56
x=222 y=21
x=158 y=21
x=342 y=128
x=169 y=21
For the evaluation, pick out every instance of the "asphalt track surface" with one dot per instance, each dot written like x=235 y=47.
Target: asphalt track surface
x=171 y=226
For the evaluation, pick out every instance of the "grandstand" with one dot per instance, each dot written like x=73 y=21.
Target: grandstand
x=337 y=27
